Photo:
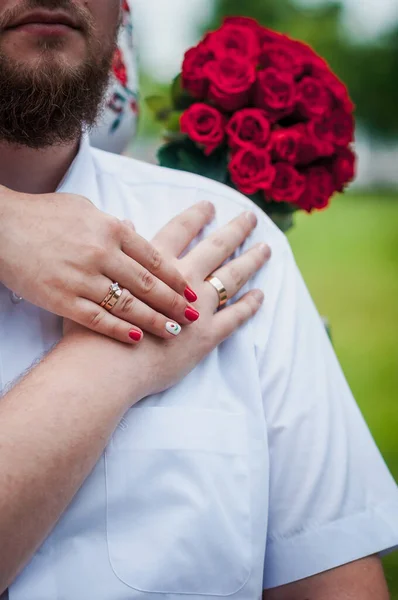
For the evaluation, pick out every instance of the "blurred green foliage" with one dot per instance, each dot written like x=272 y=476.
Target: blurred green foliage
x=369 y=68
x=147 y=125
x=349 y=258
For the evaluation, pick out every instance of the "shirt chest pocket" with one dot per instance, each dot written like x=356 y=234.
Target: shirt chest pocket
x=178 y=501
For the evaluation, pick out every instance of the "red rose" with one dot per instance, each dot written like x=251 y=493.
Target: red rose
x=288 y=184
x=231 y=80
x=307 y=150
x=194 y=79
x=338 y=90
x=234 y=40
x=342 y=127
x=251 y=170
x=319 y=188
x=205 y=125
x=119 y=68
x=246 y=22
x=249 y=128
x=336 y=128
x=285 y=144
x=313 y=64
x=270 y=36
x=282 y=57
x=344 y=166
x=309 y=147
x=275 y=93
x=313 y=98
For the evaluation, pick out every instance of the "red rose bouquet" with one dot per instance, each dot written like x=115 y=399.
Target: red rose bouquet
x=262 y=113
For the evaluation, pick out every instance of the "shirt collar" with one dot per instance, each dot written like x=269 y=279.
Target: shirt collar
x=81 y=177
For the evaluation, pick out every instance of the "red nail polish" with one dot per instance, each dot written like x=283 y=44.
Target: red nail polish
x=190 y=295
x=191 y=314
x=135 y=335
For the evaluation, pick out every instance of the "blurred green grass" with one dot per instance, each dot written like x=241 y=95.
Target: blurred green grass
x=348 y=255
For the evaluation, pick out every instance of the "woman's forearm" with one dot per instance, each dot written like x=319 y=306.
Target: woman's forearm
x=54 y=425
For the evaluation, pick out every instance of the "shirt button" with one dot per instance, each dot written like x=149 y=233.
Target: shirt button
x=15 y=299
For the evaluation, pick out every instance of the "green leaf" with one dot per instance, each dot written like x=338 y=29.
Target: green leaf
x=173 y=122
x=181 y=99
x=193 y=162
x=171 y=136
x=284 y=222
x=168 y=155
x=281 y=213
x=187 y=156
x=160 y=106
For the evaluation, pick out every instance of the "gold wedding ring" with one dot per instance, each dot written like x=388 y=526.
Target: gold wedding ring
x=112 y=297
x=220 y=289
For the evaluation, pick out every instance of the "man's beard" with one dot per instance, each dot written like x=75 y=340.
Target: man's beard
x=52 y=104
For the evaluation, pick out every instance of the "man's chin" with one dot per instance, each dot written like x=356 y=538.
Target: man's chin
x=47 y=98
x=36 y=52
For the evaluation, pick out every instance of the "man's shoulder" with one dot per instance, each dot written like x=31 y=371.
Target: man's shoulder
x=136 y=172
x=183 y=187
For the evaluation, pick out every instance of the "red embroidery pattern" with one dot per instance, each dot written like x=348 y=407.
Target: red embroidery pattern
x=119 y=68
x=124 y=98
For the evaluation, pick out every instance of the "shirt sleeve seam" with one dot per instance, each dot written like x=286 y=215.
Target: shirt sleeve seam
x=317 y=526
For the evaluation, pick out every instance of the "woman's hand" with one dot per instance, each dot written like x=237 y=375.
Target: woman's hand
x=156 y=365
x=61 y=253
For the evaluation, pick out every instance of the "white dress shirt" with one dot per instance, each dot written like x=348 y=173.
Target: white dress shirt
x=254 y=471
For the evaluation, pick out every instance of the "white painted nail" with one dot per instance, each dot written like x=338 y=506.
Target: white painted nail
x=173 y=328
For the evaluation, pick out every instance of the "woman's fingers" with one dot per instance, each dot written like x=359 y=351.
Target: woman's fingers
x=132 y=311
x=127 y=321
x=129 y=224
x=156 y=261
x=98 y=319
x=235 y=274
x=209 y=254
x=145 y=254
x=174 y=238
x=227 y=321
x=148 y=288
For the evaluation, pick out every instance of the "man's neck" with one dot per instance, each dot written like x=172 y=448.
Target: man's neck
x=35 y=171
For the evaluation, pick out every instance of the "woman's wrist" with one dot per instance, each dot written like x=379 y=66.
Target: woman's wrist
x=108 y=363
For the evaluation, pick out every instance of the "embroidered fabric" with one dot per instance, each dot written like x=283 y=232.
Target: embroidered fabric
x=118 y=123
